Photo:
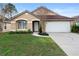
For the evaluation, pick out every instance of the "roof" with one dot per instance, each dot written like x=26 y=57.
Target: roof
x=22 y=14
x=42 y=7
x=56 y=17
x=76 y=18
x=46 y=17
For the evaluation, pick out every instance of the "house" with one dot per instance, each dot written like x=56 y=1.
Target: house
x=47 y=19
x=76 y=20
x=2 y=22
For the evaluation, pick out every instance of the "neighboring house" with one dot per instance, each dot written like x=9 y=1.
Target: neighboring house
x=47 y=19
x=3 y=21
x=76 y=20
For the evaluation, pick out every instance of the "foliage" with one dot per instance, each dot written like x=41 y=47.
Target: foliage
x=8 y=10
x=40 y=29
x=20 y=32
x=43 y=33
x=75 y=28
x=29 y=31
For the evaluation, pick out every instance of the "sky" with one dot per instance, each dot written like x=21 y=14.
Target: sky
x=65 y=9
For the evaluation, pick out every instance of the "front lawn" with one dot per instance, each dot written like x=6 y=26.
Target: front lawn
x=28 y=45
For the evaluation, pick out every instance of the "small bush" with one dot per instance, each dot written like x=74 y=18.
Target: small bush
x=43 y=33
x=29 y=31
x=20 y=32
x=75 y=28
x=40 y=29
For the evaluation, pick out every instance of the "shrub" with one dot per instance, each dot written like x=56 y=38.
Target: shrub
x=75 y=28
x=43 y=33
x=17 y=32
x=40 y=29
x=29 y=31
x=20 y=32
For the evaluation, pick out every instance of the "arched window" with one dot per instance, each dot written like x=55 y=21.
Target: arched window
x=22 y=24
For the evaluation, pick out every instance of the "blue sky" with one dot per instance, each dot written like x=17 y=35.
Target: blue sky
x=65 y=9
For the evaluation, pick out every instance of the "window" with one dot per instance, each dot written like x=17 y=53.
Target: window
x=22 y=24
x=4 y=27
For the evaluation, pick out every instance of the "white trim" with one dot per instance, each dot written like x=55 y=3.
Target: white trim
x=21 y=19
x=36 y=19
x=26 y=13
x=21 y=29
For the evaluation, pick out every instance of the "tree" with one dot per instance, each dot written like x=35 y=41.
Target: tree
x=9 y=10
x=1 y=16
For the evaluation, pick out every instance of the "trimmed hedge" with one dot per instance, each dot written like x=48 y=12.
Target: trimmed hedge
x=20 y=32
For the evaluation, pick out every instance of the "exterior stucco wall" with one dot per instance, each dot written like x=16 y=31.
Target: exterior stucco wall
x=8 y=27
x=28 y=17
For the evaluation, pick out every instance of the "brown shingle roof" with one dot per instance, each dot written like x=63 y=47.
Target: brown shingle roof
x=46 y=17
x=42 y=7
x=55 y=17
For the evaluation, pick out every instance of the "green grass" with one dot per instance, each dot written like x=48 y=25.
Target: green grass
x=28 y=45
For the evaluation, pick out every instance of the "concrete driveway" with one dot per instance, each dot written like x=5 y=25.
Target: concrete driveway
x=69 y=42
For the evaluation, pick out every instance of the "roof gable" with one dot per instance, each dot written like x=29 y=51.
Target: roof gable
x=22 y=14
x=43 y=11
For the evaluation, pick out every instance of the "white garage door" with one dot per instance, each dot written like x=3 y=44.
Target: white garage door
x=58 y=26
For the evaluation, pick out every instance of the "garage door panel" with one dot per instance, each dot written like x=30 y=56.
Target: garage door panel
x=57 y=26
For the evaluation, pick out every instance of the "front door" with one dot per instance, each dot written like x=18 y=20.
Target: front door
x=35 y=26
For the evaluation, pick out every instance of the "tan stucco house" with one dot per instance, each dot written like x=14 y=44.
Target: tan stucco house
x=47 y=19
